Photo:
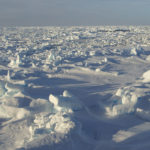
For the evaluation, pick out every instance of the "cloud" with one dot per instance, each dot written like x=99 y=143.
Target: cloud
x=71 y=12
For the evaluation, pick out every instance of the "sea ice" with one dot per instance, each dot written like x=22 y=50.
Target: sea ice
x=92 y=62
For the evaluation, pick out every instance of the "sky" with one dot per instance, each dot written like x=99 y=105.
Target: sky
x=74 y=12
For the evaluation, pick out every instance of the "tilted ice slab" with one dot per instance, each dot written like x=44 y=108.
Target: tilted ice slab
x=14 y=63
x=123 y=102
x=3 y=90
x=8 y=90
x=52 y=60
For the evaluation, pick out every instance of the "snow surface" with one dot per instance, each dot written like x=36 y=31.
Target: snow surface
x=75 y=88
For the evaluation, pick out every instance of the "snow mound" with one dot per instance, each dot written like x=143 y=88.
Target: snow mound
x=146 y=76
x=145 y=115
x=124 y=102
x=41 y=105
x=65 y=101
x=148 y=58
x=13 y=112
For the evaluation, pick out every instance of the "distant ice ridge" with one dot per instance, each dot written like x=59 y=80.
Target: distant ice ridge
x=14 y=63
x=57 y=116
x=124 y=101
x=137 y=50
x=133 y=51
x=52 y=59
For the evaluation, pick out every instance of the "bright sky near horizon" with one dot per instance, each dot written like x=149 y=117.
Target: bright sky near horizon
x=74 y=12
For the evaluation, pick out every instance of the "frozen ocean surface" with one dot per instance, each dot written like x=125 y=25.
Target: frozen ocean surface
x=75 y=88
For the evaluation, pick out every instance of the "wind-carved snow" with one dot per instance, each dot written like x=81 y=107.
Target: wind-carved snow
x=122 y=135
